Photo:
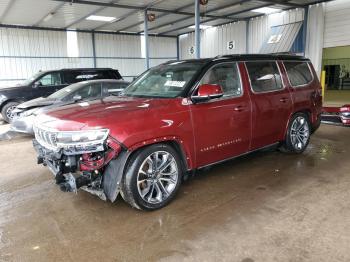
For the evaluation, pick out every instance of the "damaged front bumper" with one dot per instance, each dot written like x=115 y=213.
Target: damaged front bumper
x=23 y=124
x=98 y=173
x=336 y=115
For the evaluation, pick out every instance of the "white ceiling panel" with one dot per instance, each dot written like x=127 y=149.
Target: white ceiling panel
x=111 y=11
x=67 y=14
x=136 y=2
x=172 y=5
x=4 y=5
x=137 y=17
x=22 y=12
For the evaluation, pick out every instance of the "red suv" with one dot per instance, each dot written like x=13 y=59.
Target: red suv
x=176 y=118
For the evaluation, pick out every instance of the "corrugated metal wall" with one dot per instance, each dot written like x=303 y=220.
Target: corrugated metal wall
x=337 y=23
x=259 y=27
x=215 y=41
x=23 y=52
x=124 y=52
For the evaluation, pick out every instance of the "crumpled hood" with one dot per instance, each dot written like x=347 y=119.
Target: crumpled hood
x=104 y=113
x=38 y=102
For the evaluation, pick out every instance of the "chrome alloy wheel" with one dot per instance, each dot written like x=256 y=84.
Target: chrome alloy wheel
x=157 y=177
x=300 y=132
x=9 y=112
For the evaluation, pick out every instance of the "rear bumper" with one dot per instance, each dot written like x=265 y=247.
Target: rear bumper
x=336 y=115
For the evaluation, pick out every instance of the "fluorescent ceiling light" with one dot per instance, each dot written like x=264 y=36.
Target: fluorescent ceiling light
x=101 y=18
x=266 y=10
x=200 y=27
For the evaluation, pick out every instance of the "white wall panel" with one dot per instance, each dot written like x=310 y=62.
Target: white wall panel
x=337 y=23
x=259 y=27
x=315 y=33
x=214 y=41
x=23 y=52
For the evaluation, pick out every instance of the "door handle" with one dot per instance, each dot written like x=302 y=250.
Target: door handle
x=283 y=99
x=238 y=108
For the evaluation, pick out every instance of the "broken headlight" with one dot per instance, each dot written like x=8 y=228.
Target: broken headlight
x=82 y=141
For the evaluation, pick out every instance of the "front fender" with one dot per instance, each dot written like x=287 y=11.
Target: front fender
x=113 y=175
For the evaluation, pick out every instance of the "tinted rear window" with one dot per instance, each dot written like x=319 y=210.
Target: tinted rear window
x=78 y=76
x=264 y=76
x=298 y=73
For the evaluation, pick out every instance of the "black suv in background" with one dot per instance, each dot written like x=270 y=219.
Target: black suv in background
x=45 y=83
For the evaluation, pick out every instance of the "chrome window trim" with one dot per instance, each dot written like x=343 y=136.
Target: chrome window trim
x=223 y=97
x=265 y=92
x=298 y=86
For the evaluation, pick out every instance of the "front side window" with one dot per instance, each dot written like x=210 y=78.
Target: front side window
x=90 y=92
x=264 y=76
x=227 y=76
x=298 y=73
x=51 y=79
x=114 y=88
x=168 y=80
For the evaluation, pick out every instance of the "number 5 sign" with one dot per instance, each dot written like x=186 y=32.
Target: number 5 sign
x=231 y=45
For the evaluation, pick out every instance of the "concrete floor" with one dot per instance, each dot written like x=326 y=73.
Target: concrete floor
x=267 y=206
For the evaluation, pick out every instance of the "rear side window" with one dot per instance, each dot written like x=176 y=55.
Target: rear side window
x=298 y=73
x=78 y=76
x=264 y=76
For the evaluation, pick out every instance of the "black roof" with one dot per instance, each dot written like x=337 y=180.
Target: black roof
x=92 y=69
x=264 y=57
x=247 y=57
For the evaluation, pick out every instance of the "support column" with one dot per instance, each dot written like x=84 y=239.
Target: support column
x=146 y=40
x=247 y=36
x=306 y=16
x=94 y=48
x=197 y=29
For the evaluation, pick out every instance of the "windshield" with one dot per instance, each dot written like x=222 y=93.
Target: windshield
x=167 y=80
x=29 y=81
x=64 y=92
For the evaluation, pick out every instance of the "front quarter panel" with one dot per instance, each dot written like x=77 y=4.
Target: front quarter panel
x=169 y=121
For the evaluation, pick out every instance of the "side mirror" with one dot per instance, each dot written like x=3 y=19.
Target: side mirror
x=37 y=84
x=77 y=98
x=208 y=91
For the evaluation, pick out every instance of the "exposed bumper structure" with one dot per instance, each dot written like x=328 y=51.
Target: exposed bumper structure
x=23 y=124
x=98 y=173
x=336 y=115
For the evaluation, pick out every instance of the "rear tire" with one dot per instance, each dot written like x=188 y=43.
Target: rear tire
x=7 y=111
x=152 y=178
x=298 y=134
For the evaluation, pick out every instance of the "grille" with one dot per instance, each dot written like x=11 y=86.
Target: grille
x=46 y=138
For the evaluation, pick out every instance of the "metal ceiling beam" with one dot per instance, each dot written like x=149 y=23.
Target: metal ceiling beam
x=255 y=16
x=209 y=20
x=208 y=11
x=77 y=30
x=140 y=8
x=54 y=10
x=162 y=15
x=283 y=2
x=129 y=14
x=7 y=10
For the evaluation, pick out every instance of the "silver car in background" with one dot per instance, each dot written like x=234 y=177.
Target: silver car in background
x=25 y=113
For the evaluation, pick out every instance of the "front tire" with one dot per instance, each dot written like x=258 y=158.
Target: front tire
x=298 y=134
x=152 y=178
x=6 y=111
